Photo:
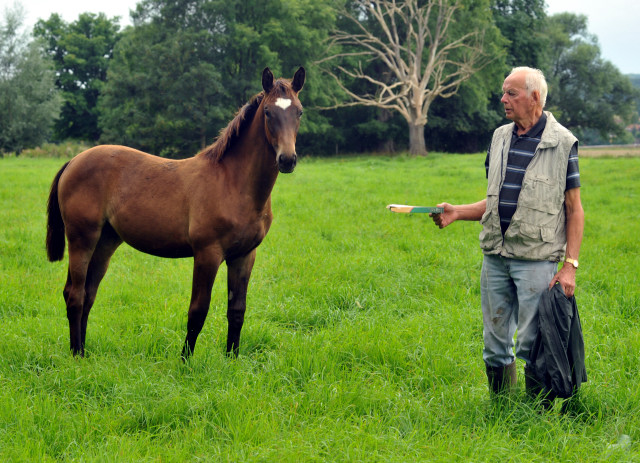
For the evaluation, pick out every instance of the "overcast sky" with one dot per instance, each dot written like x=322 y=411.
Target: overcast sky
x=616 y=23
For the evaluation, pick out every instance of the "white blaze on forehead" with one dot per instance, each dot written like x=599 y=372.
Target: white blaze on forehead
x=283 y=103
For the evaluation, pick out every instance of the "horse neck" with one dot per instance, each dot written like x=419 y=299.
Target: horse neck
x=251 y=162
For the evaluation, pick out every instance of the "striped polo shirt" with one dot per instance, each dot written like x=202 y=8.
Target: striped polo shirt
x=522 y=149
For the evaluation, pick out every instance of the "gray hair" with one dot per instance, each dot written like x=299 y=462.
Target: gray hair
x=534 y=80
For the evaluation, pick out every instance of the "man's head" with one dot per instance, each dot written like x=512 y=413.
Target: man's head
x=524 y=94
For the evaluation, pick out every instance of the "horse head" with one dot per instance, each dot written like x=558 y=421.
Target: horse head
x=282 y=111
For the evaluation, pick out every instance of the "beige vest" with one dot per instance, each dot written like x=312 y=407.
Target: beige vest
x=537 y=229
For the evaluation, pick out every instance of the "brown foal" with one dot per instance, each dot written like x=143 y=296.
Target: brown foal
x=214 y=207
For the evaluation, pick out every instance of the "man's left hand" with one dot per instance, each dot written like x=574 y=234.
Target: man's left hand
x=567 y=279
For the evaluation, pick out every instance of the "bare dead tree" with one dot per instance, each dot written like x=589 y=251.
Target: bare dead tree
x=415 y=42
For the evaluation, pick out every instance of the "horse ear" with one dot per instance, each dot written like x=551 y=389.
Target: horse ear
x=298 y=79
x=267 y=80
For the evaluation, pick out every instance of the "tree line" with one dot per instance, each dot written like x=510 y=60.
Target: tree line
x=383 y=75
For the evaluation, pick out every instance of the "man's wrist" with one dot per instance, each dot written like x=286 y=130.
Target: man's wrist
x=572 y=262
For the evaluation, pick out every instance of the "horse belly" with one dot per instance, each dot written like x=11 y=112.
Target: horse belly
x=153 y=234
x=159 y=249
x=154 y=224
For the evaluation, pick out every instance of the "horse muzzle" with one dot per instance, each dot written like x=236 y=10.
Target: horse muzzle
x=287 y=162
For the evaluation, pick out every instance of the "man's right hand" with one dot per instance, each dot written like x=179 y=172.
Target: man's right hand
x=449 y=215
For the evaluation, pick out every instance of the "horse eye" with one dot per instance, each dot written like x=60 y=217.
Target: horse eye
x=267 y=113
x=300 y=112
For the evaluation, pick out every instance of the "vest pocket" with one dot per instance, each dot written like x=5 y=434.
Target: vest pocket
x=541 y=194
x=538 y=233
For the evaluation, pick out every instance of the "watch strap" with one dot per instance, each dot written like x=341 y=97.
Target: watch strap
x=571 y=261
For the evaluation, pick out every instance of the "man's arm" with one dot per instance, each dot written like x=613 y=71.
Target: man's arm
x=460 y=212
x=575 y=229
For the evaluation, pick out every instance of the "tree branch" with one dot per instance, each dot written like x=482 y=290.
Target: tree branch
x=413 y=40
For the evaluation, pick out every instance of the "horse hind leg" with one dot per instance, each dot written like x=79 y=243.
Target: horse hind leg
x=74 y=293
x=107 y=245
x=83 y=244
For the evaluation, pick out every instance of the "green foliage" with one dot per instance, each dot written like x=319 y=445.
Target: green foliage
x=464 y=123
x=170 y=83
x=523 y=23
x=28 y=99
x=162 y=95
x=186 y=67
x=403 y=58
x=354 y=129
x=297 y=36
x=81 y=51
x=362 y=340
x=64 y=150
x=635 y=81
x=586 y=91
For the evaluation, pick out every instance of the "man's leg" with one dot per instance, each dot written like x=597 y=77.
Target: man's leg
x=532 y=279
x=500 y=315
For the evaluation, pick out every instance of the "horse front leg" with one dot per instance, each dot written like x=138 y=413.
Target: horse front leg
x=205 y=267
x=239 y=272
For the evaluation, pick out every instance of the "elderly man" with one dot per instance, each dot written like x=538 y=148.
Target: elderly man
x=532 y=218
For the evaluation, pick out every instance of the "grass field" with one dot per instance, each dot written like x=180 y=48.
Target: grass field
x=362 y=340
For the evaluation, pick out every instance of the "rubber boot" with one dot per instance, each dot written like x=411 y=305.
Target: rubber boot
x=502 y=379
x=537 y=391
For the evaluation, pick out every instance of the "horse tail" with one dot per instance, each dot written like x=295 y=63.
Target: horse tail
x=55 y=225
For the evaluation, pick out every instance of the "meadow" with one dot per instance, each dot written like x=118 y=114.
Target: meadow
x=362 y=340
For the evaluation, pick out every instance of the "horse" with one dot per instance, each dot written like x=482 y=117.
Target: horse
x=214 y=207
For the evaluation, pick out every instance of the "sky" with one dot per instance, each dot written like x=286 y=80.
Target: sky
x=616 y=23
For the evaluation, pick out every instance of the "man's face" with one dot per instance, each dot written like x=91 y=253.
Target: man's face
x=517 y=105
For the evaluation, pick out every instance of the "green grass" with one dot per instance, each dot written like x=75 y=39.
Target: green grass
x=362 y=340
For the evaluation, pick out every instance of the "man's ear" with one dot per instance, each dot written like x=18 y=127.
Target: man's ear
x=535 y=96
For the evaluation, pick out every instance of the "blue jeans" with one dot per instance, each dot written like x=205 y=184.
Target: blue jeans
x=510 y=291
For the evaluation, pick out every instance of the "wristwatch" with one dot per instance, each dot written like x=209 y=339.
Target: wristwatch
x=571 y=261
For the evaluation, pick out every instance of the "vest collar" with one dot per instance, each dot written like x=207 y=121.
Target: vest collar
x=549 y=137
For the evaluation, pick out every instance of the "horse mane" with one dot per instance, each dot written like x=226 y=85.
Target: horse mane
x=230 y=134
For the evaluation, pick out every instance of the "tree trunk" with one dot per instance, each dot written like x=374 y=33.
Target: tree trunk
x=417 y=146
x=203 y=138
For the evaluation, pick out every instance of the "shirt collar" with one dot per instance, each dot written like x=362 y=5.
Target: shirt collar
x=536 y=130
